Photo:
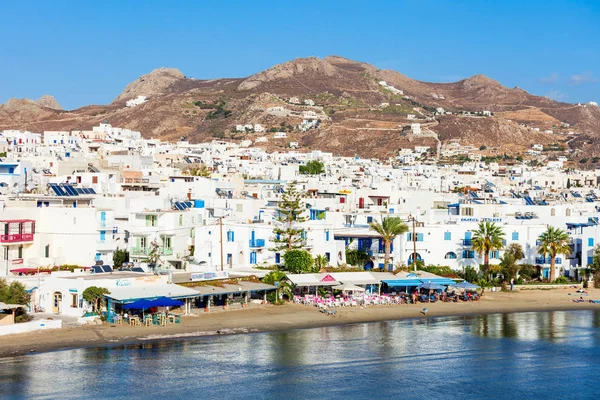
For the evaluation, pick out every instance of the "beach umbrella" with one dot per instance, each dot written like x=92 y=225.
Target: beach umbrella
x=348 y=287
x=430 y=286
x=466 y=285
x=166 y=302
x=141 y=304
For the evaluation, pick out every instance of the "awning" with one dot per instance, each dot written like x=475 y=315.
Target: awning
x=126 y=294
x=403 y=282
x=439 y=281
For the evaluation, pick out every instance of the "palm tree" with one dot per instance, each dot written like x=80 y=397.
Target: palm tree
x=553 y=242
x=277 y=278
x=321 y=262
x=488 y=237
x=388 y=229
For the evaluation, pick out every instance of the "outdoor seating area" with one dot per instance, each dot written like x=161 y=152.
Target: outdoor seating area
x=139 y=317
x=354 y=296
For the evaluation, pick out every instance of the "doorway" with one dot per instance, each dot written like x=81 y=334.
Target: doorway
x=56 y=302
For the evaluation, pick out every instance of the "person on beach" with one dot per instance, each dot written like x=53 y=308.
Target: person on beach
x=512 y=284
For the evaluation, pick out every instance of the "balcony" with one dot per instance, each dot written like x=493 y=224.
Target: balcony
x=16 y=238
x=546 y=260
x=467 y=242
x=257 y=243
x=17 y=231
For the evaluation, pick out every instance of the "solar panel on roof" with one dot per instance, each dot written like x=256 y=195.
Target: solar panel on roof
x=178 y=206
x=79 y=190
x=188 y=204
x=85 y=191
x=57 y=189
x=71 y=190
x=92 y=191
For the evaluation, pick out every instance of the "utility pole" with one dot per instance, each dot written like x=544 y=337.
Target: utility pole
x=414 y=238
x=221 y=239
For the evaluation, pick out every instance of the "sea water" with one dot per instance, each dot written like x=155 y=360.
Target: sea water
x=539 y=355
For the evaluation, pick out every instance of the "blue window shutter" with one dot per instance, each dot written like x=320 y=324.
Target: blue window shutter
x=420 y=237
x=277 y=258
x=590 y=260
x=447 y=236
x=591 y=242
x=464 y=254
x=369 y=220
x=468 y=235
x=515 y=236
x=409 y=237
x=328 y=256
x=327 y=236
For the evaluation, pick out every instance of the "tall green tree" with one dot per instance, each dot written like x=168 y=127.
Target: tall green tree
x=313 y=167
x=15 y=293
x=95 y=296
x=554 y=241
x=299 y=261
x=487 y=237
x=120 y=257
x=388 y=229
x=289 y=234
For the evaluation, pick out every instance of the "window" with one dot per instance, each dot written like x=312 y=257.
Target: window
x=74 y=301
x=420 y=237
x=102 y=236
x=369 y=220
x=327 y=235
x=230 y=236
x=447 y=236
x=150 y=220
x=277 y=258
x=192 y=233
x=94 y=179
x=20 y=252
x=467 y=211
x=468 y=254
x=450 y=256
x=495 y=254
x=515 y=236
x=591 y=242
x=328 y=256
x=47 y=251
x=590 y=260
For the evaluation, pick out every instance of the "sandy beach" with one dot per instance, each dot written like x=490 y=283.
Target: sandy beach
x=286 y=317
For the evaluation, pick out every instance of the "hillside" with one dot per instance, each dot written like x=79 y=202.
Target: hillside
x=362 y=110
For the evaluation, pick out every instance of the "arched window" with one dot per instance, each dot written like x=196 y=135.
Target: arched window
x=450 y=256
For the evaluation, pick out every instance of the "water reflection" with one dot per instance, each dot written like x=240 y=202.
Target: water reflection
x=531 y=351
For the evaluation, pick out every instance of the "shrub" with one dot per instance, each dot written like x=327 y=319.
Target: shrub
x=357 y=257
x=561 y=280
x=298 y=261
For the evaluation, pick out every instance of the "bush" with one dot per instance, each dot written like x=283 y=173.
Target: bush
x=561 y=280
x=597 y=279
x=272 y=298
x=470 y=275
x=528 y=272
x=441 y=270
x=357 y=257
x=298 y=261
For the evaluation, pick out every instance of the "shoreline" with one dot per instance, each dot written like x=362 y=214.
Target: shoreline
x=271 y=318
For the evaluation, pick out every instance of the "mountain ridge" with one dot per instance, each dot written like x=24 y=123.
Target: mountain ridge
x=349 y=97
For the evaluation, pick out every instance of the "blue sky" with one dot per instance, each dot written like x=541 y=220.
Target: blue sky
x=85 y=52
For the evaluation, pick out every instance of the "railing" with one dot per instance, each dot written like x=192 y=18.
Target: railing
x=547 y=260
x=20 y=237
x=257 y=243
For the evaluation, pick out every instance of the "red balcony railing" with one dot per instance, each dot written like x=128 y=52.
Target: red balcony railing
x=24 y=237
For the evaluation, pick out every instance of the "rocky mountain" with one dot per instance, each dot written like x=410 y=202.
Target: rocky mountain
x=48 y=102
x=362 y=110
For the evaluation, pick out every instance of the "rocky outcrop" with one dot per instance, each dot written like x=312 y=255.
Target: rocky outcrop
x=48 y=102
x=155 y=83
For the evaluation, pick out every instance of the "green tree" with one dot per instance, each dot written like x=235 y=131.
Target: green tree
x=15 y=293
x=313 y=167
x=95 y=296
x=201 y=170
x=516 y=251
x=278 y=279
x=388 y=229
x=486 y=238
x=595 y=266
x=470 y=275
x=554 y=241
x=289 y=234
x=357 y=258
x=321 y=262
x=298 y=261
x=120 y=257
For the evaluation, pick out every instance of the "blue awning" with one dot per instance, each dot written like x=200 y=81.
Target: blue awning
x=403 y=282
x=439 y=281
x=454 y=205
x=417 y=282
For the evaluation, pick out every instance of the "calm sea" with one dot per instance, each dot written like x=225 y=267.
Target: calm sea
x=526 y=355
